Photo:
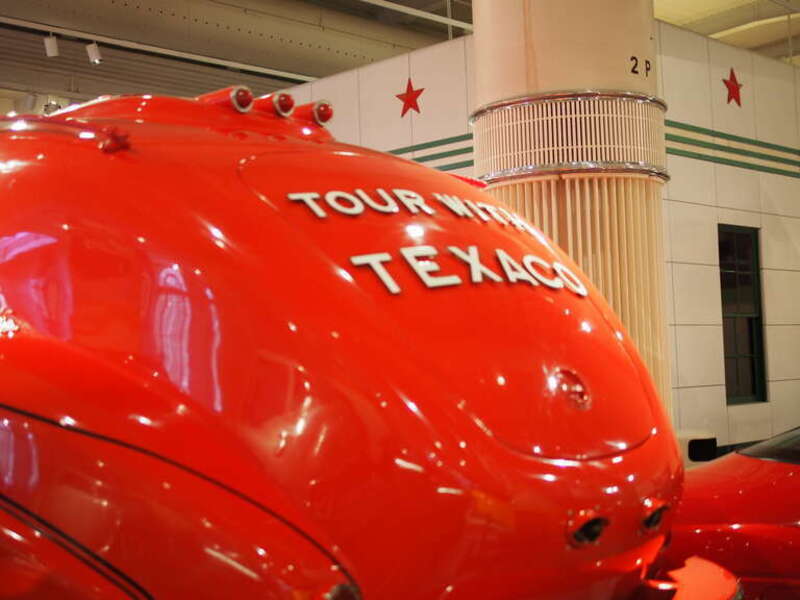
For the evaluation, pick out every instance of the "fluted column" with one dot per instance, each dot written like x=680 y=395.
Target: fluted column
x=568 y=132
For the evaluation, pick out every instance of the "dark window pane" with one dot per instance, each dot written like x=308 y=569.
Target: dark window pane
x=747 y=297
x=744 y=250
x=729 y=335
x=744 y=339
x=727 y=250
x=746 y=379
x=729 y=300
x=741 y=311
x=731 y=386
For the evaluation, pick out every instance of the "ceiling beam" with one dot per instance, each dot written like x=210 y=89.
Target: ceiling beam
x=780 y=48
x=294 y=40
x=786 y=4
x=736 y=16
x=421 y=14
x=209 y=60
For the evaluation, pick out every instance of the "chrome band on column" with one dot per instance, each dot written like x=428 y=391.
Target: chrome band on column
x=575 y=167
x=567 y=95
x=570 y=131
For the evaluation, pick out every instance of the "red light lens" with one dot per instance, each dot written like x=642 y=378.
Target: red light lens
x=243 y=98
x=324 y=112
x=285 y=103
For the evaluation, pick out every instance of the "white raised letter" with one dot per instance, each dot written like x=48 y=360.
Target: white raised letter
x=477 y=210
x=389 y=206
x=476 y=269
x=417 y=257
x=375 y=261
x=455 y=204
x=518 y=221
x=570 y=279
x=513 y=270
x=492 y=210
x=334 y=198
x=531 y=261
x=413 y=201
x=308 y=198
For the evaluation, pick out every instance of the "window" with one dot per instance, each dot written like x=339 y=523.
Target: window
x=741 y=314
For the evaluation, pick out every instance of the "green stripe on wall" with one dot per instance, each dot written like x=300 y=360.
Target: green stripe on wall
x=741 y=151
x=454 y=166
x=731 y=137
x=433 y=144
x=731 y=162
x=456 y=152
x=670 y=137
x=676 y=124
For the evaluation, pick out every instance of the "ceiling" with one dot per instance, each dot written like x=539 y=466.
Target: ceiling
x=769 y=27
x=458 y=10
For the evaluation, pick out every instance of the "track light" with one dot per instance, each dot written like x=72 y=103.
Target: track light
x=51 y=45
x=93 y=50
x=50 y=107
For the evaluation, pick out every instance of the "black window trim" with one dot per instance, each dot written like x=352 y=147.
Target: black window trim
x=759 y=367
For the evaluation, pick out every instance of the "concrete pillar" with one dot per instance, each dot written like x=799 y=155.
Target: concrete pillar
x=568 y=132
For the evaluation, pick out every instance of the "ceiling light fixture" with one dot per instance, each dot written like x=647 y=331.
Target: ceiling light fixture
x=93 y=50
x=51 y=45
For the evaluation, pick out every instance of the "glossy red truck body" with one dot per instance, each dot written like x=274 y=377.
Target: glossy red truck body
x=742 y=512
x=209 y=392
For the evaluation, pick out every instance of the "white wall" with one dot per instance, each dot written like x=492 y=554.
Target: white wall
x=729 y=164
x=703 y=193
x=368 y=113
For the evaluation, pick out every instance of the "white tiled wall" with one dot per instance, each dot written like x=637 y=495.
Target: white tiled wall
x=696 y=182
x=693 y=232
x=441 y=71
x=696 y=293
x=380 y=127
x=783 y=401
x=699 y=350
x=703 y=194
x=703 y=408
x=341 y=90
x=775 y=109
x=779 y=195
x=684 y=59
x=780 y=242
x=725 y=116
x=736 y=188
x=783 y=348
x=367 y=111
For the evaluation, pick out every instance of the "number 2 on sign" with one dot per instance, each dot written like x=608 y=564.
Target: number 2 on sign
x=635 y=66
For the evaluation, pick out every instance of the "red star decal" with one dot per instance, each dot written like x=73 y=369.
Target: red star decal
x=734 y=88
x=409 y=98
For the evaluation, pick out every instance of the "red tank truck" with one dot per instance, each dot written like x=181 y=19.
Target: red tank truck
x=242 y=360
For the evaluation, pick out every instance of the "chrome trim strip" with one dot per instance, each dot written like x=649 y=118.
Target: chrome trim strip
x=575 y=167
x=560 y=96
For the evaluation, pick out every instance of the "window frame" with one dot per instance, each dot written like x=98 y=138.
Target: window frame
x=755 y=319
